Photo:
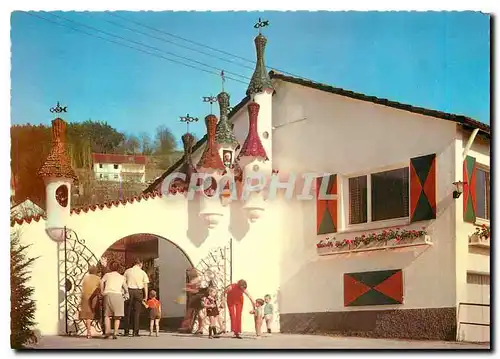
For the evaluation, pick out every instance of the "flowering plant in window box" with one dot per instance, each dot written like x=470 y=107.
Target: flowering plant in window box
x=383 y=237
x=483 y=231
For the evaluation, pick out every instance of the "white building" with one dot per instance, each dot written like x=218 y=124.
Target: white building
x=119 y=168
x=391 y=254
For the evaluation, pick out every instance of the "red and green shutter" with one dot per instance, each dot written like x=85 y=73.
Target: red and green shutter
x=423 y=188
x=470 y=189
x=326 y=210
x=373 y=288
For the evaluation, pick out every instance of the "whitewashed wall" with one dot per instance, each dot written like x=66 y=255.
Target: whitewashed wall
x=348 y=137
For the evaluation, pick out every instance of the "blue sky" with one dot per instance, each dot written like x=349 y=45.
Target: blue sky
x=437 y=60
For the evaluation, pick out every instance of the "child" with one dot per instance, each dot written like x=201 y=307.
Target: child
x=268 y=312
x=154 y=306
x=210 y=303
x=258 y=313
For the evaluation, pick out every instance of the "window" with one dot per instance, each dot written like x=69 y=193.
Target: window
x=379 y=196
x=100 y=175
x=115 y=176
x=100 y=165
x=115 y=167
x=358 y=191
x=390 y=194
x=482 y=193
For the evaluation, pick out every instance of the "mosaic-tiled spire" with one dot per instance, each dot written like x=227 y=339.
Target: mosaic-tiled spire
x=260 y=78
x=58 y=164
x=187 y=167
x=252 y=147
x=224 y=133
x=210 y=157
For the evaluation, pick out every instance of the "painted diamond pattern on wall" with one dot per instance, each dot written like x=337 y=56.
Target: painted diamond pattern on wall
x=373 y=288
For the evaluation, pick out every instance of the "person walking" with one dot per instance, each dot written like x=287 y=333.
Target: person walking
x=137 y=282
x=90 y=298
x=234 y=297
x=114 y=289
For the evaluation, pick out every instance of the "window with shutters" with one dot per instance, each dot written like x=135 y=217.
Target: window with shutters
x=483 y=193
x=379 y=196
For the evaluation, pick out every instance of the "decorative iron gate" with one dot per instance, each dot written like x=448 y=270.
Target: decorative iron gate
x=77 y=260
x=216 y=270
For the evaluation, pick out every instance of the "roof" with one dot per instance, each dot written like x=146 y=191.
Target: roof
x=58 y=164
x=465 y=121
x=118 y=159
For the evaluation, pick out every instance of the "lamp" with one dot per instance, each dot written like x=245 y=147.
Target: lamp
x=459 y=185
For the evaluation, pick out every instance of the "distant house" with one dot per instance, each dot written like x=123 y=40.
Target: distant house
x=118 y=168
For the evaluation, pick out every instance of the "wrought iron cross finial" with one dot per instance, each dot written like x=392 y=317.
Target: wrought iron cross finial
x=188 y=119
x=58 y=108
x=210 y=99
x=260 y=24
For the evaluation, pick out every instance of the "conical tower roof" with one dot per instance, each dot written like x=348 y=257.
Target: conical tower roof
x=224 y=133
x=58 y=164
x=260 y=79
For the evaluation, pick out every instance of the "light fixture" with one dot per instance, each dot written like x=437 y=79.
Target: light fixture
x=459 y=188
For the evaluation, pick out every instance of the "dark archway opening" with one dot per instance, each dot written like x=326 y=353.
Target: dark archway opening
x=165 y=264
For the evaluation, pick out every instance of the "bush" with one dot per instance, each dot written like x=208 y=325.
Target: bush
x=22 y=307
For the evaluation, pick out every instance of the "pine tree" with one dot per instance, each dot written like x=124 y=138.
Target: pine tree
x=22 y=307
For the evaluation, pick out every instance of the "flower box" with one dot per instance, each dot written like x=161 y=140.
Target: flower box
x=475 y=240
x=388 y=239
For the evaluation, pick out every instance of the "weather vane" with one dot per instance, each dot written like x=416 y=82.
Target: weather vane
x=188 y=119
x=211 y=100
x=223 y=77
x=58 y=108
x=260 y=24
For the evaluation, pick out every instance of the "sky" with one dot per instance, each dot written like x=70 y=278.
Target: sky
x=437 y=60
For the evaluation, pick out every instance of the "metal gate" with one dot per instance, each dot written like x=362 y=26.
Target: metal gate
x=77 y=260
x=216 y=270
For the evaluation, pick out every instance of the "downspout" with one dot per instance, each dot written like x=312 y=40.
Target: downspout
x=469 y=143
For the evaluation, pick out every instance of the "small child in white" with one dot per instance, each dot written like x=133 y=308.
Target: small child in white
x=268 y=312
x=258 y=313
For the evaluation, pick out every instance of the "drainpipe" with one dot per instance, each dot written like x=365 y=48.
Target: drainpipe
x=469 y=143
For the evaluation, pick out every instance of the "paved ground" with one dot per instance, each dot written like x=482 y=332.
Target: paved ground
x=276 y=341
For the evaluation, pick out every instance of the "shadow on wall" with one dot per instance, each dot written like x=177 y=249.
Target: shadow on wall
x=238 y=223
x=197 y=230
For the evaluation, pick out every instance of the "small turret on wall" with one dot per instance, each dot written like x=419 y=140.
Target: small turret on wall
x=253 y=157
x=211 y=165
x=58 y=176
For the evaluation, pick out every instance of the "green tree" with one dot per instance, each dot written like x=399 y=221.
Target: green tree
x=146 y=144
x=165 y=141
x=22 y=306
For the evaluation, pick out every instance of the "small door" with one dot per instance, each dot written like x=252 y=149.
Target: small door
x=477 y=310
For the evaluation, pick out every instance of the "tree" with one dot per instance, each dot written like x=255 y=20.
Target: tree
x=130 y=145
x=165 y=141
x=146 y=143
x=22 y=306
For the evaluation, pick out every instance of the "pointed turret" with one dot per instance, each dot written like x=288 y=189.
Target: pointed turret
x=210 y=158
x=260 y=79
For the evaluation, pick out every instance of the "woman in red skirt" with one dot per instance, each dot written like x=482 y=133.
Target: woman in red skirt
x=234 y=296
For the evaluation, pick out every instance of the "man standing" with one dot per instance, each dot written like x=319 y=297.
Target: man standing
x=137 y=282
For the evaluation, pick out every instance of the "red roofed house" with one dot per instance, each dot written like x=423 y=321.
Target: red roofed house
x=113 y=167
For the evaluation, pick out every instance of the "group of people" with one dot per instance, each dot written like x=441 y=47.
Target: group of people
x=202 y=304
x=113 y=295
